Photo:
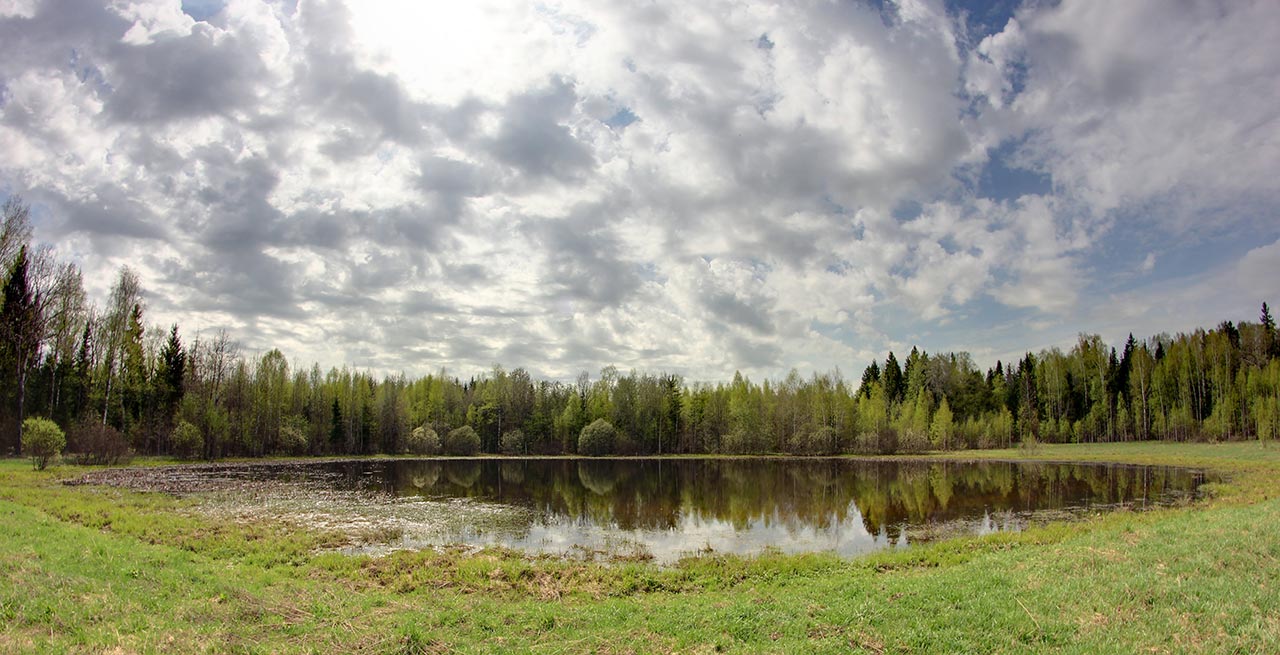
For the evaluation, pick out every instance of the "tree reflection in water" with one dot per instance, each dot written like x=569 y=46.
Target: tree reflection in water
x=673 y=507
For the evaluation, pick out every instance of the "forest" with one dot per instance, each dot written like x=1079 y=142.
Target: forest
x=118 y=386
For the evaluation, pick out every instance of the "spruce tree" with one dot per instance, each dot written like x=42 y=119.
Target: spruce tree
x=1269 y=332
x=19 y=339
x=894 y=384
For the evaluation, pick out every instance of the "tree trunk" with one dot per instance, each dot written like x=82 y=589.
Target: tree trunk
x=106 y=399
x=22 y=399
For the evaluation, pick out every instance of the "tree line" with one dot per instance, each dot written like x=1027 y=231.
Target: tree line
x=117 y=385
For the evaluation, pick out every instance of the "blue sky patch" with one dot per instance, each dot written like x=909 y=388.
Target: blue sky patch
x=621 y=118
x=202 y=9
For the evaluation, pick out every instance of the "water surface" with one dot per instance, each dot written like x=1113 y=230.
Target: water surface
x=669 y=508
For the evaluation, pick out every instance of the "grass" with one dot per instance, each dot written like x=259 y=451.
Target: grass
x=89 y=569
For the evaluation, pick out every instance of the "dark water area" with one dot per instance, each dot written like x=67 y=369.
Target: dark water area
x=668 y=508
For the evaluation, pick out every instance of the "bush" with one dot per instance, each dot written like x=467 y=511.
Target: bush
x=824 y=441
x=43 y=440
x=513 y=443
x=293 y=438
x=910 y=441
x=186 y=440
x=422 y=441
x=597 y=438
x=876 y=442
x=95 y=443
x=462 y=441
x=743 y=442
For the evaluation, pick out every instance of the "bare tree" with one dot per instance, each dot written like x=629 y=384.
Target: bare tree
x=15 y=229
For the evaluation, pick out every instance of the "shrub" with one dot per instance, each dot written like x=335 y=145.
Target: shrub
x=186 y=440
x=597 y=438
x=743 y=442
x=422 y=441
x=95 y=443
x=876 y=442
x=911 y=441
x=293 y=438
x=42 y=439
x=462 y=441
x=824 y=441
x=513 y=443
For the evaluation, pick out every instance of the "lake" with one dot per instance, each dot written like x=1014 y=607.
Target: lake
x=670 y=508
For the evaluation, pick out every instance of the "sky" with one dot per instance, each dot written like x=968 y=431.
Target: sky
x=692 y=187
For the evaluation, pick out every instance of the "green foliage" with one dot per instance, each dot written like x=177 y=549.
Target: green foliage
x=895 y=383
x=943 y=427
x=20 y=334
x=744 y=441
x=823 y=441
x=293 y=438
x=597 y=438
x=737 y=442
x=513 y=442
x=913 y=442
x=423 y=440
x=186 y=440
x=42 y=440
x=874 y=443
x=1219 y=384
x=461 y=441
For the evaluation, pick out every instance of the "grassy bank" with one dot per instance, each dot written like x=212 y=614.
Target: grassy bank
x=105 y=570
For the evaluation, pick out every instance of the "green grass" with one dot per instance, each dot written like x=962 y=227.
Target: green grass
x=103 y=570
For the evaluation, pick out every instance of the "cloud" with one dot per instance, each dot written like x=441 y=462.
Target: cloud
x=533 y=138
x=1141 y=103
x=182 y=77
x=697 y=187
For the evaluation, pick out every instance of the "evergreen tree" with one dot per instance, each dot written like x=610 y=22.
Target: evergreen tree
x=1272 y=344
x=1028 y=406
x=870 y=375
x=134 y=388
x=19 y=342
x=170 y=377
x=894 y=384
x=1231 y=331
x=79 y=381
x=337 y=440
x=1126 y=365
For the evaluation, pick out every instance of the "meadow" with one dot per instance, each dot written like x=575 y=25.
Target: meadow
x=96 y=569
